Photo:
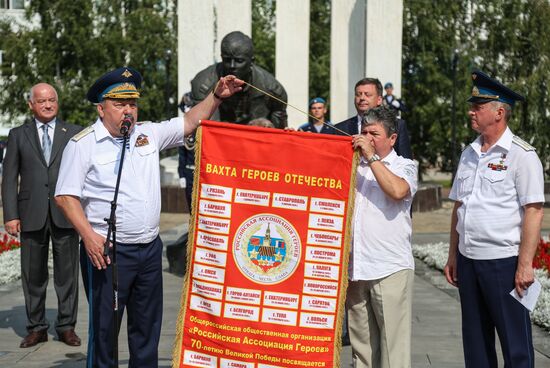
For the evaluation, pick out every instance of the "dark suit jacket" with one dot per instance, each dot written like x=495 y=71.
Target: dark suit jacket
x=402 y=145
x=349 y=126
x=31 y=200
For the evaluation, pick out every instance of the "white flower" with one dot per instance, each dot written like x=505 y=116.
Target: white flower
x=10 y=265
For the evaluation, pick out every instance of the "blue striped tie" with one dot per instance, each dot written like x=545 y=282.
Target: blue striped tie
x=46 y=143
x=120 y=141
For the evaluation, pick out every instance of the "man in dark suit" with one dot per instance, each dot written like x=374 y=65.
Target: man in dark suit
x=368 y=94
x=31 y=166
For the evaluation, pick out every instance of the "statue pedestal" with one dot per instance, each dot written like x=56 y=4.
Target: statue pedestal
x=176 y=253
x=173 y=200
x=427 y=198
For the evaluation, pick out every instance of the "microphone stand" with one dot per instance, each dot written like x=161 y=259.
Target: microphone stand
x=111 y=230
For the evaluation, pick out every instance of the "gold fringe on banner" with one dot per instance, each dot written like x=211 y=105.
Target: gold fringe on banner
x=346 y=251
x=178 y=342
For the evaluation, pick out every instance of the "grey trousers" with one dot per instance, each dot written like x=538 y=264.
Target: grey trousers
x=34 y=275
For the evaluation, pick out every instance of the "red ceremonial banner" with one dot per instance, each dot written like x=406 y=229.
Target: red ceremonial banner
x=268 y=249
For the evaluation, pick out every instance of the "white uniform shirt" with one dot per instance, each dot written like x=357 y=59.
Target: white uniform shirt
x=382 y=226
x=493 y=187
x=89 y=170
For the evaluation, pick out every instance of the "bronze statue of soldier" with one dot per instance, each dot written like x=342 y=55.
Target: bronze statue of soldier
x=237 y=52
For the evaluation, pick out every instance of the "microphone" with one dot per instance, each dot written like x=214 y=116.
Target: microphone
x=126 y=124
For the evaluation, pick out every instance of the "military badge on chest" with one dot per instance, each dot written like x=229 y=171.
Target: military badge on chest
x=500 y=165
x=142 y=140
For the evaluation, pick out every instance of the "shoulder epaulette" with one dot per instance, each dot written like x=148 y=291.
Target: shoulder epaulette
x=520 y=142
x=78 y=136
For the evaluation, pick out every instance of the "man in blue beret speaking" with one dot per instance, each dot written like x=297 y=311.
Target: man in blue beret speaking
x=84 y=192
x=495 y=229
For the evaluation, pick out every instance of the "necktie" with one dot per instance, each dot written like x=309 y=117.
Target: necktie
x=120 y=140
x=46 y=143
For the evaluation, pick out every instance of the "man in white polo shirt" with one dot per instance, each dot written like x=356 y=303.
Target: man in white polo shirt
x=381 y=270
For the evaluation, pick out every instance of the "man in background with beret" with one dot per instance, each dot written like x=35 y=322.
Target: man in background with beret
x=85 y=190
x=495 y=229
x=391 y=101
x=318 y=124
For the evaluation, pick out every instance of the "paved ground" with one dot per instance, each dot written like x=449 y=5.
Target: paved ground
x=436 y=315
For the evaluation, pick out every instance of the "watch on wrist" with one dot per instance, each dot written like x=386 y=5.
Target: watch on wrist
x=374 y=157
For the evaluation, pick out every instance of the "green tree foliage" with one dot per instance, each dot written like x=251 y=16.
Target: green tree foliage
x=155 y=53
x=512 y=44
x=263 y=33
x=76 y=41
x=55 y=51
x=506 y=39
x=263 y=36
x=319 y=49
x=432 y=34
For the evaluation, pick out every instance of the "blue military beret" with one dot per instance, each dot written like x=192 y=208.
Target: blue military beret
x=121 y=83
x=388 y=85
x=317 y=100
x=487 y=89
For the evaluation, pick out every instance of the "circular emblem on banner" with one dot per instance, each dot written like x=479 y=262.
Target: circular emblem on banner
x=267 y=249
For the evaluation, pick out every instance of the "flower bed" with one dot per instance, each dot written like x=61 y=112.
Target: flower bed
x=10 y=266
x=8 y=243
x=10 y=259
x=542 y=257
x=435 y=255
